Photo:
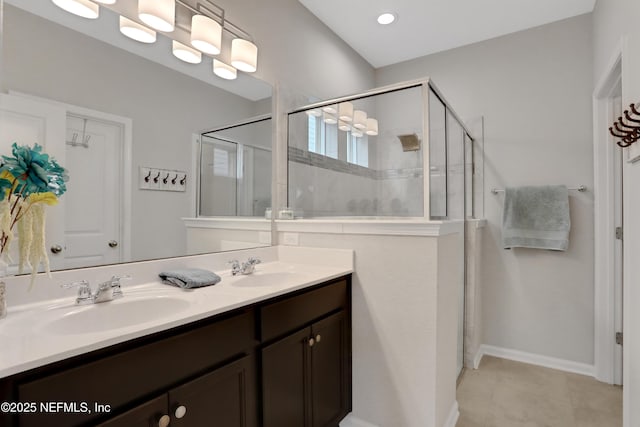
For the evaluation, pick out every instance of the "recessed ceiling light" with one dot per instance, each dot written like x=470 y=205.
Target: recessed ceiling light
x=386 y=18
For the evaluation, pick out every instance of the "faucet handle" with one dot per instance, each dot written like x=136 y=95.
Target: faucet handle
x=84 y=293
x=115 y=284
x=253 y=261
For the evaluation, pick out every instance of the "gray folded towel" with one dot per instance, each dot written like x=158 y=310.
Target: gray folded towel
x=188 y=278
x=536 y=217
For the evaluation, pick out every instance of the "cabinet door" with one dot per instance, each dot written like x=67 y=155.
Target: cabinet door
x=286 y=381
x=330 y=371
x=224 y=397
x=146 y=415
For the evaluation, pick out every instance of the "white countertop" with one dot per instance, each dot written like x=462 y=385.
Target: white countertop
x=30 y=338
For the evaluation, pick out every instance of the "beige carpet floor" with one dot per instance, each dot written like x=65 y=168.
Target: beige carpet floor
x=504 y=393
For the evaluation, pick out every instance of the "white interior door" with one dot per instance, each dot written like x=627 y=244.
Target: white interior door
x=93 y=229
x=27 y=122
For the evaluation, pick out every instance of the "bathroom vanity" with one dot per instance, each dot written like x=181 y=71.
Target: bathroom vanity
x=275 y=361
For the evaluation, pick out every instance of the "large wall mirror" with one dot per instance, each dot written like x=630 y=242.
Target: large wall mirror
x=121 y=109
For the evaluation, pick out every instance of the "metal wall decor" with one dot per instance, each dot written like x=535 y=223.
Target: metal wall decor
x=628 y=131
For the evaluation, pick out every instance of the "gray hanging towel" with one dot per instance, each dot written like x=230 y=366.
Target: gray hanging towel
x=536 y=217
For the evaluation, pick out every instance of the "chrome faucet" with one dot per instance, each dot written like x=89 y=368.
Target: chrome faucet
x=106 y=291
x=247 y=267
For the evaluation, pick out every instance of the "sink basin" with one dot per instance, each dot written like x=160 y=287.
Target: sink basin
x=260 y=278
x=111 y=315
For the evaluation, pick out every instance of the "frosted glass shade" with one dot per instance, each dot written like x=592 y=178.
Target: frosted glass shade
x=244 y=55
x=331 y=109
x=372 y=127
x=329 y=119
x=186 y=53
x=345 y=110
x=158 y=14
x=360 y=119
x=356 y=133
x=344 y=126
x=223 y=70
x=83 y=8
x=314 y=113
x=135 y=31
x=206 y=34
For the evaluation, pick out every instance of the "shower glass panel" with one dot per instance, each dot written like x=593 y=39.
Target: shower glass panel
x=437 y=157
x=361 y=157
x=235 y=170
x=468 y=176
x=364 y=156
x=455 y=168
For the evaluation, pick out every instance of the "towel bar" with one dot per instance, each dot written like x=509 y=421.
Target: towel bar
x=581 y=188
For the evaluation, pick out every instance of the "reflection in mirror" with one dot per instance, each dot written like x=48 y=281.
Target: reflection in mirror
x=361 y=158
x=121 y=107
x=235 y=170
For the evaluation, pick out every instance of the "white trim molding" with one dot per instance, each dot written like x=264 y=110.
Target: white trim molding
x=536 y=359
x=604 y=219
x=394 y=227
x=454 y=414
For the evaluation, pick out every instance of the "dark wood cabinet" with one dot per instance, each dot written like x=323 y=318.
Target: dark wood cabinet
x=285 y=362
x=306 y=376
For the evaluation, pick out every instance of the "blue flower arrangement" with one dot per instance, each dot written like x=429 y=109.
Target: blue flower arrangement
x=29 y=180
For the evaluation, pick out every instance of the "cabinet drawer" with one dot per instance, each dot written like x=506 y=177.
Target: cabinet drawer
x=122 y=378
x=288 y=315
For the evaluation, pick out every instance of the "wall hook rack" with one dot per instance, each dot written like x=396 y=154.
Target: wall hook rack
x=629 y=131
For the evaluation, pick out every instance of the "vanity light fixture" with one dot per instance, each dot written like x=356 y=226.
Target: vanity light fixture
x=158 y=14
x=244 y=55
x=386 y=18
x=186 y=53
x=329 y=119
x=206 y=34
x=345 y=110
x=360 y=119
x=357 y=133
x=207 y=21
x=224 y=71
x=84 y=8
x=314 y=113
x=136 y=31
x=372 y=127
x=344 y=126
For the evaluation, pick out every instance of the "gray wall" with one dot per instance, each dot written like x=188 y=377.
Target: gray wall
x=297 y=51
x=534 y=90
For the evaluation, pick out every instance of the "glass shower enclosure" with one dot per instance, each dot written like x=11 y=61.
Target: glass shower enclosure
x=235 y=169
x=365 y=156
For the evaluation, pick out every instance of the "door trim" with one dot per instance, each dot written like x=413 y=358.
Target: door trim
x=126 y=125
x=604 y=217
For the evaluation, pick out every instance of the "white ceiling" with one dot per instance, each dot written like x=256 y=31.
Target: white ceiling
x=423 y=27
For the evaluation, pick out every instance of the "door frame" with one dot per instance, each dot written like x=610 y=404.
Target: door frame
x=126 y=125
x=604 y=159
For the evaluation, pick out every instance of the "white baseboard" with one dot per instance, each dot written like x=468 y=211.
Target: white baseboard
x=352 y=421
x=535 y=359
x=452 y=419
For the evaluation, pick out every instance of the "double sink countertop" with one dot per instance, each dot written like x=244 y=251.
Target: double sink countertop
x=38 y=333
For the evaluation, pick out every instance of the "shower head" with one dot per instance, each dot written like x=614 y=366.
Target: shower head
x=410 y=142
